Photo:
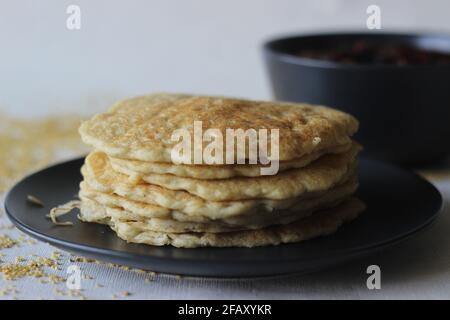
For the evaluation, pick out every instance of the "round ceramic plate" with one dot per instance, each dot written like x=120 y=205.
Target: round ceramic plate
x=399 y=204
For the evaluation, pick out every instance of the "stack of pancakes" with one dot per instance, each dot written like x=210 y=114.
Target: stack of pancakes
x=131 y=183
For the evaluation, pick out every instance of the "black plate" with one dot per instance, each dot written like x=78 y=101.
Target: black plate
x=399 y=204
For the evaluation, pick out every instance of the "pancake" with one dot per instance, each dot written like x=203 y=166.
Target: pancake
x=98 y=173
x=131 y=183
x=320 y=175
x=125 y=209
x=141 y=128
x=136 y=168
x=92 y=211
x=321 y=223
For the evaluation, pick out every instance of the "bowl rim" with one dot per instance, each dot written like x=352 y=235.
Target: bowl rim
x=268 y=49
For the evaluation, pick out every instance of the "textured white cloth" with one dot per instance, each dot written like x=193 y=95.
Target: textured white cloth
x=417 y=268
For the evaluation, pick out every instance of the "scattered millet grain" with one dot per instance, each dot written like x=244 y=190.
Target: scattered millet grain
x=34 y=200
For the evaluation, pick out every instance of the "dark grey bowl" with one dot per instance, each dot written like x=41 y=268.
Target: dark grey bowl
x=404 y=111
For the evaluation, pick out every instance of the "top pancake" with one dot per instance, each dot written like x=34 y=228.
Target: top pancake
x=141 y=128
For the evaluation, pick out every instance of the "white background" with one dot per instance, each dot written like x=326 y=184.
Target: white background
x=133 y=47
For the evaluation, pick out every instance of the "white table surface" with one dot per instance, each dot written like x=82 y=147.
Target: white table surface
x=416 y=269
